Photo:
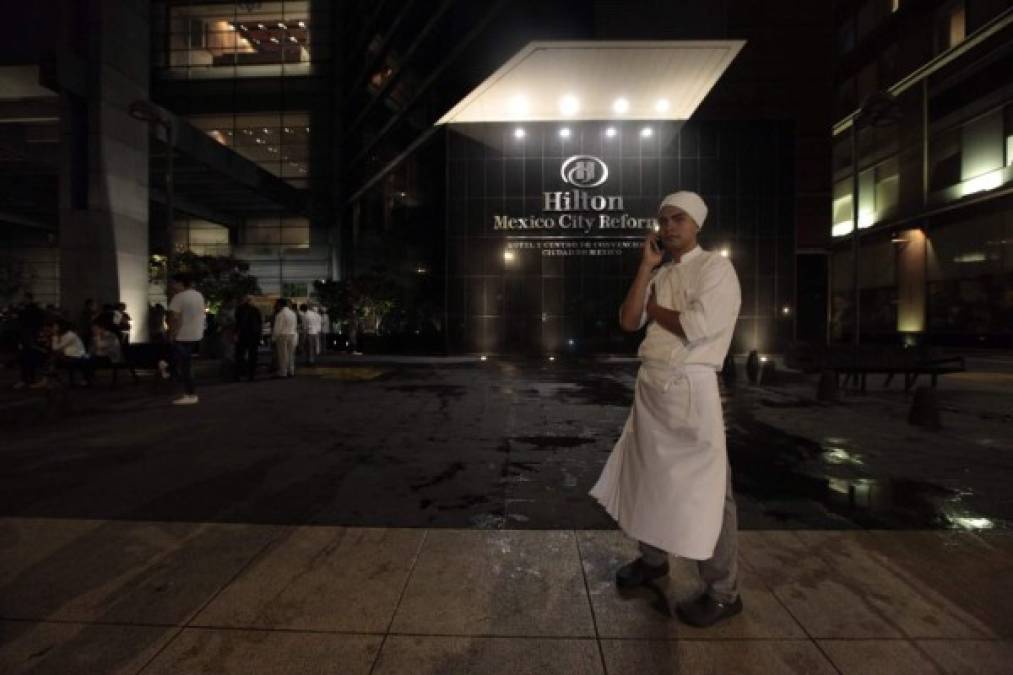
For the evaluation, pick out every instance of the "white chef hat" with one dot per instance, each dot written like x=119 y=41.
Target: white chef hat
x=690 y=202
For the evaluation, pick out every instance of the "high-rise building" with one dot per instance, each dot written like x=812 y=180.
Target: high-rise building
x=326 y=140
x=924 y=137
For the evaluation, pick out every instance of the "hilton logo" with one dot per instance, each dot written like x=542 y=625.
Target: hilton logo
x=576 y=211
x=584 y=171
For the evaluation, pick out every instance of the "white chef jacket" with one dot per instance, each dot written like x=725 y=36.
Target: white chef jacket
x=704 y=289
x=665 y=480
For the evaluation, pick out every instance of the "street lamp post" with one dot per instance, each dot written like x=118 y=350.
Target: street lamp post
x=880 y=109
x=149 y=113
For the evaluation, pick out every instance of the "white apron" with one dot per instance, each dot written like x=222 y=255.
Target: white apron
x=665 y=481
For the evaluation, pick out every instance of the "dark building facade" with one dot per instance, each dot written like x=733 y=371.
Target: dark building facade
x=925 y=94
x=306 y=141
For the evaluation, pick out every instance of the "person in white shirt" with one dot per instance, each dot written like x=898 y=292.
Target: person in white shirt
x=69 y=351
x=105 y=344
x=311 y=330
x=285 y=334
x=668 y=481
x=186 y=328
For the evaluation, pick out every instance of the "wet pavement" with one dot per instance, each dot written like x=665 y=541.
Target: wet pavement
x=499 y=444
x=431 y=516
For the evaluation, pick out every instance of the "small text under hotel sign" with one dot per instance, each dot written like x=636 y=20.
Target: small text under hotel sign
x=565 y=248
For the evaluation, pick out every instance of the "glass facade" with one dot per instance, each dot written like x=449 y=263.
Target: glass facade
x=202 y=40
x=537 y=265
x=277 y=141
x=254 y=77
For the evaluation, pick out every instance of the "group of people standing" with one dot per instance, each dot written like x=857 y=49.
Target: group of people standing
x=291 y=327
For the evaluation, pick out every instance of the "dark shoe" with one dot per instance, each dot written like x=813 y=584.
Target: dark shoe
x=638 y=573
x=705 y=611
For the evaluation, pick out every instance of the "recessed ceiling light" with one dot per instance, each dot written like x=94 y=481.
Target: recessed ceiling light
x=646 y=132
x=569 y=105
x=302 y=24
x=620 y=106
x=274 y=40
x=611 y=132
x=261 y=26
x=519 y=133
x=519 y=105
x=661 y=105
x=282 y=26
x=564 y=132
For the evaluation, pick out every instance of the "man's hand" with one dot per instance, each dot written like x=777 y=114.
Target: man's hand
x=633 y=306
x=652 y=251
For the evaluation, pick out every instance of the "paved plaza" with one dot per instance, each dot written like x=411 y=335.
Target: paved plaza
x=431 y=516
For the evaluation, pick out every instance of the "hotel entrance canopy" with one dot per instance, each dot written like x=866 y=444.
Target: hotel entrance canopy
x=598 y=80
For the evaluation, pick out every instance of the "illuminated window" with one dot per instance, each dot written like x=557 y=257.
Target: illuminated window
x=842 y=216
x=944 y=160
x=240 y=39
x=278 y=142
x=1008 y=132
x=951 y=26
x=887 y=187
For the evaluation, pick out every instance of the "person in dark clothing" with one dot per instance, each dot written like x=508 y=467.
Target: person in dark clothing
x=85 y=321
x=123 y=322
x=156 y=324
x=249 y=324
x=32 y=346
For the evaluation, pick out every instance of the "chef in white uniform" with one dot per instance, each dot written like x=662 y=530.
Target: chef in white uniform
x=667 y=481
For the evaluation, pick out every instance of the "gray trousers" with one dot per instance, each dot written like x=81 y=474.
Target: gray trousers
x=721 y=571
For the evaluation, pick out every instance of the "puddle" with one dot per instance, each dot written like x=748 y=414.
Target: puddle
x=802 y=483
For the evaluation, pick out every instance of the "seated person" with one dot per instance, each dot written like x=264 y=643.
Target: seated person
x=106 y=347
x=69 y=352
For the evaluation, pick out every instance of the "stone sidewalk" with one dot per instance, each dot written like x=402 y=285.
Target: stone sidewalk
x=93 y=596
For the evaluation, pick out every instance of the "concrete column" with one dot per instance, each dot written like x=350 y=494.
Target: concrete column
x=911 y=281
x=104 y=182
